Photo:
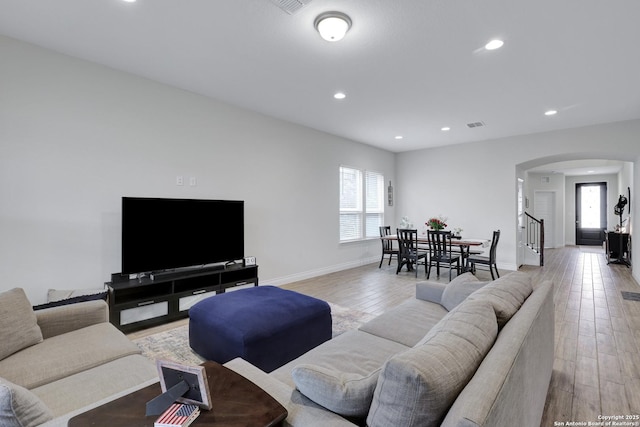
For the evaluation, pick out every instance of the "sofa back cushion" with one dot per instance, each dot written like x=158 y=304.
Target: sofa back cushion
x=21 y=408
x=417 y=387
x=344 y=393
x=459 y=289
x=18 y=324
x=506 y=294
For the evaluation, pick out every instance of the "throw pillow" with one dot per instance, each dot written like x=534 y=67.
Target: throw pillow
x=506 y=294
x=459 y=289
x=21 y=408
x=18 y=324
x=417 y=387
x=345 y=394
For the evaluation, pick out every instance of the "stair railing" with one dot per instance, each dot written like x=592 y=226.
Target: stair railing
x=535 y=235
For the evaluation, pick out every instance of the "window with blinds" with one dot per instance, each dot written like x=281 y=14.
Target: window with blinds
x=361 y=203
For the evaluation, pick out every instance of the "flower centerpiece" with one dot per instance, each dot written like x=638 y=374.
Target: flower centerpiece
x=437 y=223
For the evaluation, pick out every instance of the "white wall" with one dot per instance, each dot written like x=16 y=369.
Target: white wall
x=475 y=184
x=536 y=182
x=75 y=137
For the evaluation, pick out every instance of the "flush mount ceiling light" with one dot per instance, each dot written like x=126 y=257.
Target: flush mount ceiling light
x=550 y=113
x=332 y=26
x=494 y=44
x=339 y=95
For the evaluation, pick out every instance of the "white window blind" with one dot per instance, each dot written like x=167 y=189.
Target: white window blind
x=374 y=185
x=361 y=203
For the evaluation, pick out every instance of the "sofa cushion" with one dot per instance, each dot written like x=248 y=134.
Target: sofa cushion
x=506 y=294
x=344 y=353
x=406 y=323
x=459 y=289
x=344 y=393
x=464 y=319
x=21 y=408
x=93 y=385
x=18 y=324
x=63 y=355
x=417 y=387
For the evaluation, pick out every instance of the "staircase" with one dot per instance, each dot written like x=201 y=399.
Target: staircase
x=534 y=234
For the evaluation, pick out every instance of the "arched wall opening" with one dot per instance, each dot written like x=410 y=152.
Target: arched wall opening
x=561 y=188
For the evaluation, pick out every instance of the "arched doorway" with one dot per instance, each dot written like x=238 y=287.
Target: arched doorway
x=562 y=175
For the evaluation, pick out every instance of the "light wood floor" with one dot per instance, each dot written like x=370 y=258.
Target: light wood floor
x=597 y=365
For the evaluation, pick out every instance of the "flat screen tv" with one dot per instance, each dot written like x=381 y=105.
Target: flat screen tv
x=164 y=234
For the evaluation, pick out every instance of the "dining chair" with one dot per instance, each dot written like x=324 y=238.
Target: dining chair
x=387 y=244
x=484 y=260
x=408 y=251
x=440 y=252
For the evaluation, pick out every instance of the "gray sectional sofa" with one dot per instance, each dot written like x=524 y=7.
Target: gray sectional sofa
x=462 y=354
x=60 y=361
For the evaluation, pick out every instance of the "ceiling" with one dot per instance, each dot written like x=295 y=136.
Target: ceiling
x=408 y=67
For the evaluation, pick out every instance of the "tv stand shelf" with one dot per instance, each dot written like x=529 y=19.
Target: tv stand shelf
x=139 y=303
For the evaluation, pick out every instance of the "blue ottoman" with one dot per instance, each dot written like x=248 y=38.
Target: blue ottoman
x=265 y=325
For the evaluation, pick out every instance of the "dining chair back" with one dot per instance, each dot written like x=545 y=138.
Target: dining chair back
x=490 y=261
x=387 y=244
x=409 y=253
x=440 y=252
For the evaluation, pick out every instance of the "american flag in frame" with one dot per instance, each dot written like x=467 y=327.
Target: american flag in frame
x=178 y=415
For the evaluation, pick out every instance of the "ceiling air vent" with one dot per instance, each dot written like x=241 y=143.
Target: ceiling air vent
x=290 y=6
x=475 y=124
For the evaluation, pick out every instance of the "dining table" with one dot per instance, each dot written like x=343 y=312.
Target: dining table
x=464 y=245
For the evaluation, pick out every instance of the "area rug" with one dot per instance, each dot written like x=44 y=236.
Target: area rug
x=173 y=344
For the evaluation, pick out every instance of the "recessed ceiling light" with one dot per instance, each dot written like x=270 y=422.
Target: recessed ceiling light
x=494 y=44
x=445 y=129
x=339 y=95
x=550 y=113
x=399 y=137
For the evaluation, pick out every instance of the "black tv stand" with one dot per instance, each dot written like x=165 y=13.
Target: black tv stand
x=137 y=303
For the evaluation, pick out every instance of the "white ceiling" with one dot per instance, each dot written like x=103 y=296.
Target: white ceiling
x=408 y=67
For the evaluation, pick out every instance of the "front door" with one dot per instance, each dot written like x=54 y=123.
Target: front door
x=591 y=213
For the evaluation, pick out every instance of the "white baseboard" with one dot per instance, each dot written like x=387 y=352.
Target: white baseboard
x=279 y=281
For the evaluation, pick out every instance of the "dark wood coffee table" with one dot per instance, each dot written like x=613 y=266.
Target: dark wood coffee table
x=236 y=402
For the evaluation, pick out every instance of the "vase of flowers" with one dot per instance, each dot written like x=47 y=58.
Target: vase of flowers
x=437 y=223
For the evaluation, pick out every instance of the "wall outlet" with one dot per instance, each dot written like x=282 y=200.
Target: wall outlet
x=179 y=180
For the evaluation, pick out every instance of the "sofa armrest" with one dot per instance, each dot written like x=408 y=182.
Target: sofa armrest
x=302 y=411
x=430 y=291
x=59 y=320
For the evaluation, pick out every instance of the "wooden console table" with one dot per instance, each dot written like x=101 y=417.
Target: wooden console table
x=236 y=402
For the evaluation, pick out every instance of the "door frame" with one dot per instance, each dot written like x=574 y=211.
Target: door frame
x=580 y=240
